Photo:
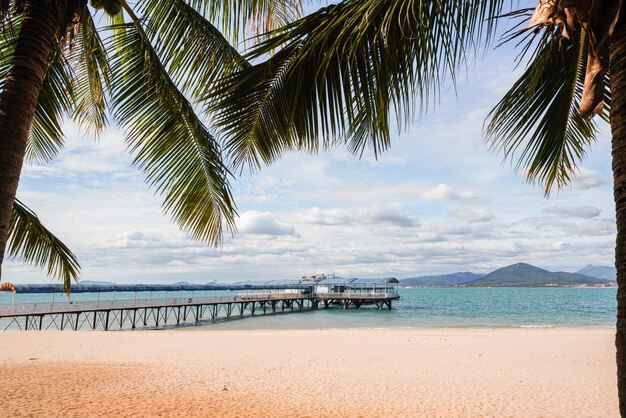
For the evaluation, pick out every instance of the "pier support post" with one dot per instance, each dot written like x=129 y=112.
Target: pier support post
x=106 y=321
x=134 y=319
x=62 y=320
x=93 y=321
x=76 y=324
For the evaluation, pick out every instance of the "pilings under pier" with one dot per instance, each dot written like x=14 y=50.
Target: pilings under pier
x=154 y=313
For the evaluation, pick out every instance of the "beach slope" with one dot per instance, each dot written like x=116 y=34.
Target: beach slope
x=310 y=373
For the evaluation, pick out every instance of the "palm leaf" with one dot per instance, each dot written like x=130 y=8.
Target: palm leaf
x=55 y=99
x=190 y=47
x=91 y=78
x=169 y=143
x=8 y=38
x=30 y=241
x=539 y=114
x=234 y=18
x=279 y=13
x=342 y=72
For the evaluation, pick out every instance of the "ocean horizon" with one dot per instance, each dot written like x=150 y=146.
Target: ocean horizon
x=416 y=308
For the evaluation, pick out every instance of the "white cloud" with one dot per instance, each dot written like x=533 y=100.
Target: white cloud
x=443 y=192
x=596 y=227
x=360 y=216
x=472 y=215
x=84 y=156
x=262 y=224
x=586 y=179
x=585 y=212
x=404 y=214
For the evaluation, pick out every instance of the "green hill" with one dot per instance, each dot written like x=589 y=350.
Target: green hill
x=600 y=272
x=526 y=275
x=441 y=280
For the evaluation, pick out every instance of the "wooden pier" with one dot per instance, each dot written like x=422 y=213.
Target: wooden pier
x=154 y=313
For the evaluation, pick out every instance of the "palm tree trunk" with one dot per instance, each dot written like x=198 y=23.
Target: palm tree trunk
x=617 y=62
x=18 y=101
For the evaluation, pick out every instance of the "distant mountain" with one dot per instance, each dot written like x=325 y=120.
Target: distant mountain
x=526 y=275
x=441 y=280
x=95 y=283
x=600 y=272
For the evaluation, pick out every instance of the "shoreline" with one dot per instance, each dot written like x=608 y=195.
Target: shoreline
x=207 y=327
x=438 y=372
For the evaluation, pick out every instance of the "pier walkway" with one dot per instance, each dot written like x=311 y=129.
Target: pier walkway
x=152 y=313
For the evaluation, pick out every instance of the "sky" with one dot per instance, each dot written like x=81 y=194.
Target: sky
x=439 y=201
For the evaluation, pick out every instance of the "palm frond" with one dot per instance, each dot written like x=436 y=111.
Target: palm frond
x=279 y=13
x=238 y=18
x=342 y=72
x=30 y=241
x=56 y=98
x=169 y=142
x=539 y=114
x=189 y=46
x=46 y=137
x=8 y=38
x=91 y=78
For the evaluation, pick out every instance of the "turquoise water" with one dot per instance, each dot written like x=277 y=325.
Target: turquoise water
x=450 y=307
x=460 y=307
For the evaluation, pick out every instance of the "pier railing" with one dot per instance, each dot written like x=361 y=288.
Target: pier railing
x=357 y=295
x=80 y=306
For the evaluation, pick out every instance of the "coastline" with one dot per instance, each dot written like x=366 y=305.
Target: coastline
x=520 y=372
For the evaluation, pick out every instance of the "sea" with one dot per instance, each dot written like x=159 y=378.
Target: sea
x=422 y=308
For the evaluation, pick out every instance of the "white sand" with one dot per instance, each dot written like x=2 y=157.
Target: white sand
x=369 y=373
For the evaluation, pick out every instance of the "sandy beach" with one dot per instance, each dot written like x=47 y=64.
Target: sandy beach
x=310 y=373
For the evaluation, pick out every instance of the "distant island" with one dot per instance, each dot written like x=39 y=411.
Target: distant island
x=519 y=275
x=515 y=275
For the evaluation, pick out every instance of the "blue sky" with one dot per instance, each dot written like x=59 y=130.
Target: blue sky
x=438 y=201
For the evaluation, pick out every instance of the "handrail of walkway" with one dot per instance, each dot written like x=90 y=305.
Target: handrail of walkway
x=357 y=295
x=91 y=305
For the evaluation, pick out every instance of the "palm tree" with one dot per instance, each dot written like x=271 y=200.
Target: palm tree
x=340 y=74
x=146 y=70
x=30 y=241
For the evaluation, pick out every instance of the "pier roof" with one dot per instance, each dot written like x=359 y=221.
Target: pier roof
x=357 y=281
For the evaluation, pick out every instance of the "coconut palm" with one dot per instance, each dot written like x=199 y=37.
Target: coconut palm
x=340 y=74
x=144 y=68
x=30 y=241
